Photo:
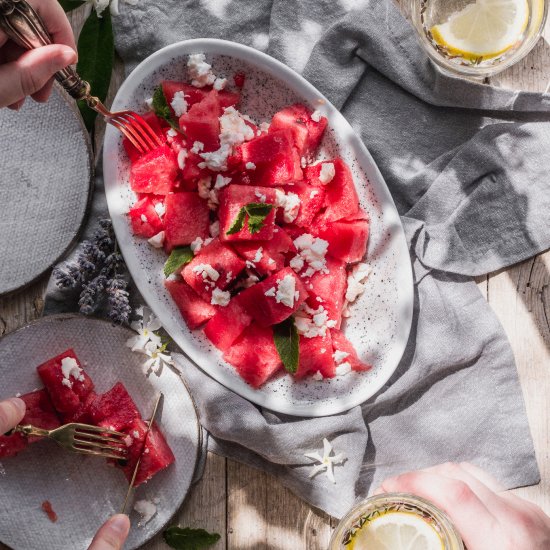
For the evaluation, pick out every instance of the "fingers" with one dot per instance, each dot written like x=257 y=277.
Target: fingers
x=32 y=71
x=484 y=477
x=112 y=534
x=12 y=412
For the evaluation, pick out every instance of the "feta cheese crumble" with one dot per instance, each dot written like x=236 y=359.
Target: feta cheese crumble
x=146 y=509
x=316 y=115
x=313 y=322
x=356 y=281
x=318 y=376
x=264 y=126
x=69 y=367
x=270 y=292
x=196 y=245
x=327 y=173
x=199 y=71
x=207 y=272
x=143 y=218
x=221 y=182
x=171 y=133
x=220 y=84
x=220 y=297
x=179 y=104
x=182 y=155
x=260 y=196
x=215 y=229
x=339 y=356
x=312 y=250
x=343 y=368
x=314 y=193
x=286 y=288
x=160 y=209
x=303 y=162
x=198 y=146
x=157 y=240
x=290 y=203
x=250 y=166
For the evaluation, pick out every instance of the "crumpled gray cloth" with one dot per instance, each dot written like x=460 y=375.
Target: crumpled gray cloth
x=466 y=165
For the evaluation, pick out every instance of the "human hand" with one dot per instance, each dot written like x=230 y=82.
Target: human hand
x=23 y=72
x=112 y=534
x=483 y=513
x=12 y=412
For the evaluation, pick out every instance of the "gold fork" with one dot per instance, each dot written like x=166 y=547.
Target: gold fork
x=23 y=25
x=82 y=438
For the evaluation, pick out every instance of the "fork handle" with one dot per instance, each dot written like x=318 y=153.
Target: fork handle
x=31 y=430
x=24 y=26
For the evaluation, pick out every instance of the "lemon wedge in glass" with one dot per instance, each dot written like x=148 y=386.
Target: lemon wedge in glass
x=397 y=531
x=484 y=29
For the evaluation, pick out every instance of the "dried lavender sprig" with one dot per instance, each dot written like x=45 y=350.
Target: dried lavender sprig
x=91 y=294
x=118 y=301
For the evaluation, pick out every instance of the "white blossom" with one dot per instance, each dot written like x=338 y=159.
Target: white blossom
x=326 y=462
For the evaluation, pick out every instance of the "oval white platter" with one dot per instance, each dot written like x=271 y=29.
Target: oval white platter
x=381 y=318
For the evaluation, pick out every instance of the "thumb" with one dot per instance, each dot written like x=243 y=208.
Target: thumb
x=112 y=534
x=11 y=413
x=31 y=71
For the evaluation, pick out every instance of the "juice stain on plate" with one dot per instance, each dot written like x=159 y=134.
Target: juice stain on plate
x=396 y=531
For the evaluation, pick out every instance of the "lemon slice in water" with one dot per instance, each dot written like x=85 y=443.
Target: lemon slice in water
x=397 y=531
x=484 y=29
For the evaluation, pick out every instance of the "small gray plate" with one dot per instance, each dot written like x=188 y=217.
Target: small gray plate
x=45 y=186
x=85 y=491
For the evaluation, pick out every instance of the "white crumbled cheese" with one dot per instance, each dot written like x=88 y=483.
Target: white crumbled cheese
x=143 y=218
x=149 y=103
x=220 y=84
x=215 y=228
x=320 y=319
x=260 y=196
x=313 y=322
x=69 y=367
x=157 y=240
x=346 y=313
x=250 y=166
x=271 y=261
x=228 y=277
x=128 y=440
x=182 y=155
x=204 y=185
x=220 y=297
x=323 y=350
x=303 y=162
x=67 y=383
x=18 y=394
x=319 y=299
x=179 y=104
x=314 y=193
x=264 y=126
x=339 y=356
x=356 y=281
x=316 y=115
x=286 y=288
x=146 y=509
x=146 y=451
x=171 y=133
x=216 y=160
x=297 y=263
x=160 y=209
x=290 y=203
x=327 y=173
x=206 y=271
x=135 y=433
x=343 y=368
x=250 y=280
x=198 y=146
x=270 y=292
x=318 y=376
x=196 y=245
x=200 y=72
x=221 y=182
x=312 y=250
x=258 y=256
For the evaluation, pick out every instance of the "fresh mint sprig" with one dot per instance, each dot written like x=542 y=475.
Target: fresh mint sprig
x=178 y=258
x=257 y=212
x=287 y=342
x=162 y=109
x=189 y=539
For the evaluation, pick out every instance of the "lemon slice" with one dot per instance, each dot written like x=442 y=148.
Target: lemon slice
x=484 y=29
x=397 y=531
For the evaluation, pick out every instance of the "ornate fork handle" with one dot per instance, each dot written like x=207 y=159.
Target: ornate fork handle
x=23 y=25
x=31 y=430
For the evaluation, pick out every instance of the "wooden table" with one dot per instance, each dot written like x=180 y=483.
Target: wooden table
x=250 y=509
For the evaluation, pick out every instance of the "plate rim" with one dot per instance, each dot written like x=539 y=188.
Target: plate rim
x=307 y=91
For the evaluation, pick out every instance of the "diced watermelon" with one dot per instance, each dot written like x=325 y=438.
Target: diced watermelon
x=201 y=122
x=67 y=394
x=195 y=95
x=228 y=324
x=316 y=355
x=306 y=132
x=219 y=257
x=341 y=343
x=155 y=172
x=232 y=198
x=82 y=414
x=311 y=201
x=254 y=355
x=114 y=409
x=194 y=310
x=265 y=309
x=191 y=172
x=156 y=456
x=155 y=124
x=144 y=218
x=187 y=217
x=347 y=238
x=10 y=445
x=276 y=159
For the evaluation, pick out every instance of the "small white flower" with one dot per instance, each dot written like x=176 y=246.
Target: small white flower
x=326 y=462
x=145 y=331
x=157 y=359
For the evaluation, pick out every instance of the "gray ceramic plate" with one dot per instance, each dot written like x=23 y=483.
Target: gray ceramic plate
x=45 y=187
x=85 y=491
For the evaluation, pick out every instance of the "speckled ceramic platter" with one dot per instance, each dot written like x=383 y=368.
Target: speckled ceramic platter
x=381 y=318
x=85 y=491
x=45 y=186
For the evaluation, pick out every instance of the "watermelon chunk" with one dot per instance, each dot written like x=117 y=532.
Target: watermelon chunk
x=312 y=199
x=201 y=122
x=232 y=198
x=306 y=132
x=157 y=127
x=187 y=217
x=316 y=355
x=266 y=310
x=114 y=409
x=347 y=239
x=11 y=445
x=67 y=394
x=275 y=158
x=341 y=343
x=196 y=95
x=194 y=310
x=144 y=218
x=228 y=324
x=220 y=258
x=82 y=414
x=155 y=172
x=254 y=355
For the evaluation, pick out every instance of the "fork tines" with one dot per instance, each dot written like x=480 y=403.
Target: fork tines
x=98 y=441
x=136 y=129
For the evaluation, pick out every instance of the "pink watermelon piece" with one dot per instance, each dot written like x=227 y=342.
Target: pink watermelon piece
x=191 y=172
x=228 y=324
x=232 y=198
x=158 y=128
x=265 y=309
x=187 y=217
x=341 y=343
x=144 y=218
x=312 y=199
x=11 y=445
x=82 y=414
x=347 y=238
x=201 y=122
x=66 y=394
x=114 y=409
x=219 y=257
x=254 y=355
x=196 y=95
x=155 y=172
x=306 y=133
x=316 y=355
x=194 y=310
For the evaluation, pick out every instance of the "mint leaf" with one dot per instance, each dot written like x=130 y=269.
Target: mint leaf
x=287 y=342
x=238 y=224
x=162 y=109
x=257 y=212
x=189 y=539
x=96 y=51
x=179 y=257
x=70 y=5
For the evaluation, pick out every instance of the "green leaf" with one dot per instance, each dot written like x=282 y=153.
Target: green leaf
x=257 y=212
x=189 y=539
x=162 y=109
x=238 y=224
x=287 y=342
x=96 y=52
x=70 y=5
x=179 y=257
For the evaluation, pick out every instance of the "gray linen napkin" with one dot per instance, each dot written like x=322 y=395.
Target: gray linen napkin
x=464 y=163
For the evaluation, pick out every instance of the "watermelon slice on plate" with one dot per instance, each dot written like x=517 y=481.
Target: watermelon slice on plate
x=114 y=409
x=194 y=310
x=196 y=95
x=316 y=356
x=347 y=239
x=341 y=344
x=155 y=172
x=144 y=218
x=187 y=217
x=201 y=123
x=157 y=125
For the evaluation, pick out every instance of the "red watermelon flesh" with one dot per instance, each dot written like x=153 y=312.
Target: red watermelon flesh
x=114 y=409
x=194 y=310
x=201 y=122
x=67 y=394
x=196 y=95
x=265 y=309
x=187 y=217
x=316 y=355
x=10 y=445
x=144 y=218
x=155 y=172
x=82 y=414
x=341 y=343
x=347 y=238
x=228 y=324
x=232 y=198
x=157 y=127
x=219 y=257
x=311 y=201
x=191 y=172
x=254 y=355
